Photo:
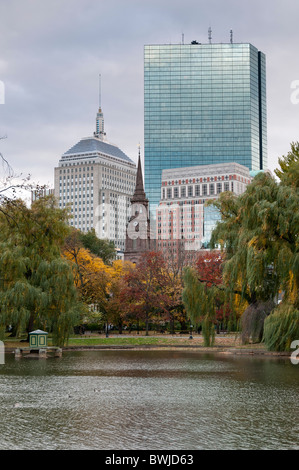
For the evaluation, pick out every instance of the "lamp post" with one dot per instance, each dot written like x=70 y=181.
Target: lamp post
x=191 y=337
x=107 y=325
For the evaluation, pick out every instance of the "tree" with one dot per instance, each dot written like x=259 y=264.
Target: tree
x=281 y=327
x=175 y=259
x=13 y=185
x=36 y=284
x=204 y=295
x=253 y=319
x=247 y=233
x=92 y=276
x=98 y=283
x=117 y=311
x=209 y=267
x=104 y=249
x=74 y=251
x=199 y=301
x=144 y=294
x=259 y=233
x=288 y=163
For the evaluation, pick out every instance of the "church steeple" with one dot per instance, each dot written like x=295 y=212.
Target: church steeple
x=139 y=194
x=138 y=236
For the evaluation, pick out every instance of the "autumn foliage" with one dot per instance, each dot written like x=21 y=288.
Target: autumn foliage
x=144 y=293
x=209 y=267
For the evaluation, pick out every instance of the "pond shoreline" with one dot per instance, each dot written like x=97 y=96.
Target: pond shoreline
x=197 y=348
x=218 y=349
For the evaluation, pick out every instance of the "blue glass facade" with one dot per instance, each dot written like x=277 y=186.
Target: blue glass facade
x=203 y=104
x=211 y=217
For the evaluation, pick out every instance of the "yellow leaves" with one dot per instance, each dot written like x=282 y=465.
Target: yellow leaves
x=253 y=241
x=259 y=242
x=120 y=268
x=96 y=281
x=292 y=288
x=239 y=305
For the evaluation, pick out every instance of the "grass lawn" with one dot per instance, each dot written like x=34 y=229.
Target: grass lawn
x=134 y=340
x=227 y=341
x=154 y=340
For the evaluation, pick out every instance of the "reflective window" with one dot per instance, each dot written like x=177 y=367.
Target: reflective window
x=202 y=104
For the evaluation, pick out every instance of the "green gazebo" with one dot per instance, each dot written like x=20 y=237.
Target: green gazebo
x=38 y=339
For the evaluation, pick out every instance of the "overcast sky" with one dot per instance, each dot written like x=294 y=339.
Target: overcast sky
x=52 y=52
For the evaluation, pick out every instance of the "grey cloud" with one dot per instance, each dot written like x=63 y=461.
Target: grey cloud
x=52 y=53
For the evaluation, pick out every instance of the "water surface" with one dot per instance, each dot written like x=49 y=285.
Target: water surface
x=149 y=400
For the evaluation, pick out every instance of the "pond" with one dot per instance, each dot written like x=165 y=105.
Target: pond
x=145 y=400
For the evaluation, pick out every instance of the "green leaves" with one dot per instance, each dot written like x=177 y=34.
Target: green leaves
x=289 y=168
x=36 y=284
x=199 y=302
x=281 y=327
x=103 y=249
x=259 y=231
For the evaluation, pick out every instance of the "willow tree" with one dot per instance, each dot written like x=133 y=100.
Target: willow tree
x=36 y=284
x=282 y=326
x=288 y=163
x=199 y=301
x=259 y=232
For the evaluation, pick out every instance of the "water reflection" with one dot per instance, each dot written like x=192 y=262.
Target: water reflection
x=148 y=400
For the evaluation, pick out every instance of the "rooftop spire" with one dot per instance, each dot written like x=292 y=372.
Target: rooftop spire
x=100 y=91
x=99 y=133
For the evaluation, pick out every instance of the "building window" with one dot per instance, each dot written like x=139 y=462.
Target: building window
x=197 y=190
x=212 y=188
x=190 y=191
x=226 y=186
x=183 y=191
x=219 y=188
x=169 y=193
x=204 y=190
x=176 y=192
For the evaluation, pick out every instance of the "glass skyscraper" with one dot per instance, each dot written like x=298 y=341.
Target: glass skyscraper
x=203 y=104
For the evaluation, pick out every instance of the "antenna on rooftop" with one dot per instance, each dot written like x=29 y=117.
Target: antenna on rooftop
x=210 y=34
x=100 y=133
x=231 y=36
x=100 y=93
x=99 y=90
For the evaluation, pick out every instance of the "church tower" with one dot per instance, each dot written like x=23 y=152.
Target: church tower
x=138 y=234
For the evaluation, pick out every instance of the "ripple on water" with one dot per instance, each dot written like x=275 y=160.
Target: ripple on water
x=148 y=400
